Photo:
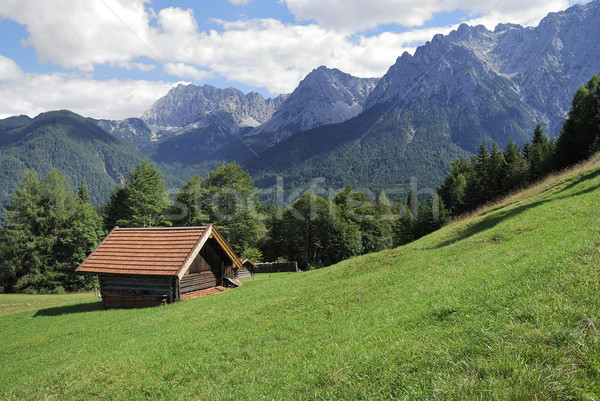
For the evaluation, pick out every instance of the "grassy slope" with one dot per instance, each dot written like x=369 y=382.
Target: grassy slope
x=501 y=306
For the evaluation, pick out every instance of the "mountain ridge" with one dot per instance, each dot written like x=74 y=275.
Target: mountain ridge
x=455 y=92
x=185 y=105
x=324 y=96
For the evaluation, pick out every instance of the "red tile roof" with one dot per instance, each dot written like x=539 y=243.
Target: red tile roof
x=150 y=251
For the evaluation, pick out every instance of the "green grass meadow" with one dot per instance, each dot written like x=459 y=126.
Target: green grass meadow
x=501 y=306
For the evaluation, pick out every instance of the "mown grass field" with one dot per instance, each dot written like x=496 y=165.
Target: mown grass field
x=501 y=306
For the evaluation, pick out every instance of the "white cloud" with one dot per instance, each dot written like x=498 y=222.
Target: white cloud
x=80 y=34
x=527 y=13
x=356 y=15
x=268 y=53
x=263 y=53
x=111 y=99
x=182 y=71
x=9 y=70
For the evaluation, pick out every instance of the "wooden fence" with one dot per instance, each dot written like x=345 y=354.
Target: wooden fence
x=276 y=267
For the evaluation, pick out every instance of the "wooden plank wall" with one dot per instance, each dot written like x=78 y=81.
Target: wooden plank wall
x=243 y=273
x=197 y=281
x=135 y=292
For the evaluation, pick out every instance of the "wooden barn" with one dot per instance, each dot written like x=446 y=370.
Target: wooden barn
x=140 y=267
x=247 y=269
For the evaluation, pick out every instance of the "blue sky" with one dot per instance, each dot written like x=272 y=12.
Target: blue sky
x=114 y=58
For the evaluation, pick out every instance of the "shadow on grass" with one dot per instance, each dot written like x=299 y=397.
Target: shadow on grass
x=585 y=177
x=488 y=222
x=492 y=218
x=70 y=309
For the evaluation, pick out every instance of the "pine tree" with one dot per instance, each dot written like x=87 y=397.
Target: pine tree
x=539 y=154
x=115 y=209
x=47 y=231
x=516 y=167
x=580 y=134
x=496 y=174
x=478 y=187
x=317 y=234
x=432 y=216
x=274 y=243
x=147 y=198
x=192 y=201
x=83 y=234
x=23 y=247
x=412 y=203
x=232 y=204
x=403 y=230
x=82 y=192
x=453 y=191
x=372 y=218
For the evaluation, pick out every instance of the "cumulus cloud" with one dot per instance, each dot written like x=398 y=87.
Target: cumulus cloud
x=356 y=15
x=182 y=70
x=9 y=70
x=32 y=94
x=262 y=53
x=80 y=34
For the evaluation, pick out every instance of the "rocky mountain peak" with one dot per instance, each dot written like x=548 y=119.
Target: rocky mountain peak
x=324 y=96
x=538 y=68
x=191 y=104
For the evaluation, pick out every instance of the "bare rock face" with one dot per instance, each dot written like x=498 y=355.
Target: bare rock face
x=185 y=105
x=530 y=73
x=325 y=96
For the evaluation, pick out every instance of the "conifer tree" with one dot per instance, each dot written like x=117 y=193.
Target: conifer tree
x=539 y=154
x=230 y=200
x=453 y=191
x=81 y=236
x=372 y=218
x=47 y=231
x=145 y=199
x=516 y=167
x=403 y=229
x=115 y=209
x=478 y=186
x=317 y=234
x=496 y=175
x=192 y=201
x=412 y=203
x=580 y=134
x=274 y=243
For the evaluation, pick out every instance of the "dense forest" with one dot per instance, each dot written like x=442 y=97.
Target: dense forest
x=48 y=227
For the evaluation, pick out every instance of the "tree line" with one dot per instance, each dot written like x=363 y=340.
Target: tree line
x=49 y=228
x=492 y=174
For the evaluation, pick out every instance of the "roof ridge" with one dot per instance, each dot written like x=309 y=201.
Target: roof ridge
x=159 y=228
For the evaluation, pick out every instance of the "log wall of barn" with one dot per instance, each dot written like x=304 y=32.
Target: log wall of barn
x=136 y=291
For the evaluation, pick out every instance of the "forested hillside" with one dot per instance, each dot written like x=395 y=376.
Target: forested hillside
x=72 y=144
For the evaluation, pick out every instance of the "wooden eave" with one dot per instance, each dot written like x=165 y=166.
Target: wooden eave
x=194 y=252
x=230 y=253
